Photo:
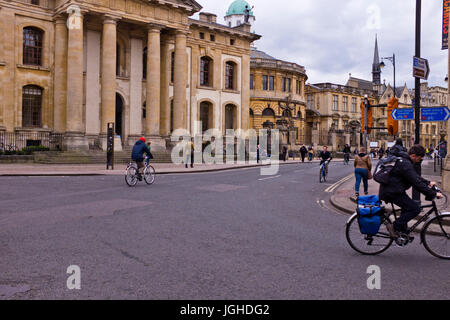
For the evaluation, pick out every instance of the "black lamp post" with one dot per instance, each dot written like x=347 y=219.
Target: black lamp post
x=382 y=65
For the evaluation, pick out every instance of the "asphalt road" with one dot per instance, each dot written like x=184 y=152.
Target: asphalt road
x=225 y=235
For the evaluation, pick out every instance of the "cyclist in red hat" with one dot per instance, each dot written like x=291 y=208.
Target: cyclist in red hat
x=137 y=155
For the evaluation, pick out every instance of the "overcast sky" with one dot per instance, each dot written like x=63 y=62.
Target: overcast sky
x=334 y=38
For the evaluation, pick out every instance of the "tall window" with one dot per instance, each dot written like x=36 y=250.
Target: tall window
x=289 y=85
x=172 y=65
x=205 y=72
x=252 y=79
x=354 y=104
x=271 y=83
x=230 y=70
x=230 y=111
x=31 y=106
x=144 y=63
x=335 y=103
x=284 y=84
x=32 y=46
x=310 y=101
x=345 y=104
x=118 y=60
x=265 y=83
x=35 y=2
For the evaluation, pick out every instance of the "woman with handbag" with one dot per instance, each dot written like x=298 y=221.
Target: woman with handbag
x=363 y=171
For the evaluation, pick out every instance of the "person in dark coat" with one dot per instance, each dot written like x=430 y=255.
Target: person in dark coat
x=402 y=177
x=303 y=152
x=137 y=155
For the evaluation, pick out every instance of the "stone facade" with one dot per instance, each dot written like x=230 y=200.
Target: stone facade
x=134 y=63
x=278 y=98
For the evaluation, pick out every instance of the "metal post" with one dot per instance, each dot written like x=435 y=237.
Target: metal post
x=366 y=119
x=418 y=166
x=393 y=62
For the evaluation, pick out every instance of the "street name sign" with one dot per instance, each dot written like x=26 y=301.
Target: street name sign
x=435 y=114
x=421 y=68
x=403 y=114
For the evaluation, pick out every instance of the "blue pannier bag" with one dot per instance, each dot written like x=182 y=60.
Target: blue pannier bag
x=369 y=214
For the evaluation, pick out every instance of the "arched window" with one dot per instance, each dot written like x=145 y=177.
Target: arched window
x=230 y=116
x=287 y=113
x=31 y=106
x=230 y=75
x=268 y=112
x=206 y=68
x=32 y=46
x=144 y=64
x=206 y=115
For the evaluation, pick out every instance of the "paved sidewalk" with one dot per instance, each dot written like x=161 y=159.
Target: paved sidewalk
x=100 y=169
x=344 y=198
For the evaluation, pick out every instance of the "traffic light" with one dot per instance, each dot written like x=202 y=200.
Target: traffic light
x=391 y=123
x=363 y=117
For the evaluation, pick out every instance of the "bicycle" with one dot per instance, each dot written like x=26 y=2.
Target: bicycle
x=323 y=172
x=346 y=159
x=435 y=234
x=131 y=173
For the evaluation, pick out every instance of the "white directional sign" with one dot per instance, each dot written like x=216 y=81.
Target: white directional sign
x=421 y=68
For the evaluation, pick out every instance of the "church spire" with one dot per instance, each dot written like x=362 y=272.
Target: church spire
x=376 y=70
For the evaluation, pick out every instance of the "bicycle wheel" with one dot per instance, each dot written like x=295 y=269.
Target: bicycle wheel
x=131 y=176
x=149 y=175
x=436 y=236
x=364 y=244
x=321 y=175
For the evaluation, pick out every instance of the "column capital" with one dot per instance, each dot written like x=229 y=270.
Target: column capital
x=110 y=19
x=74 y=9
x=156 y=28
x=181 y=32
x=60 y=19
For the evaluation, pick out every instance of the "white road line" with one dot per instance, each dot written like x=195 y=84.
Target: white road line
x=269 y=178
x=334 y=186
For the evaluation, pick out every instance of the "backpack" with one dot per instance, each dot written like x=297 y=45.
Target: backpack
x=383 y=170
x=370 y=214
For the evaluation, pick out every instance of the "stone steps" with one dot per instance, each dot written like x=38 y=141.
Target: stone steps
x=92 y=157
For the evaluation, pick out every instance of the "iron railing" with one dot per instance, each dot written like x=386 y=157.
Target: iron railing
x=16 y=141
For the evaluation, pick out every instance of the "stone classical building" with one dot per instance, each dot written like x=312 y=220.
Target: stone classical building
x=72 y=67
x=334 y=114
x=277 y=90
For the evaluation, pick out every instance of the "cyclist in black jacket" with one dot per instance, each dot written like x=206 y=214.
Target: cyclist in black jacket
x=403 y=177
x=325 y=155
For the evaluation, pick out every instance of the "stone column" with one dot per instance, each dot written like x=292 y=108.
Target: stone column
x=180 y=81
x=75 y=133
x=245 y=92
x=153 y=101
x=60 y=76
x=108 y=82
x=165 y=101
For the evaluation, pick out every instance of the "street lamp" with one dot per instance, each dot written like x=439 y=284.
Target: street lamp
x=382 y=65
x=446 y=78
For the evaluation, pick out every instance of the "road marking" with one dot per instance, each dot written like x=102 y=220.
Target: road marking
x=269 y=178
x=337 y=184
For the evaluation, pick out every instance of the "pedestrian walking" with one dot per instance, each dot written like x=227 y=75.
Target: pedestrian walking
x=189 y=153
x=363 y=171
x=303 y=152
x=258 y=155
x=285 y=150
x=310 y=153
